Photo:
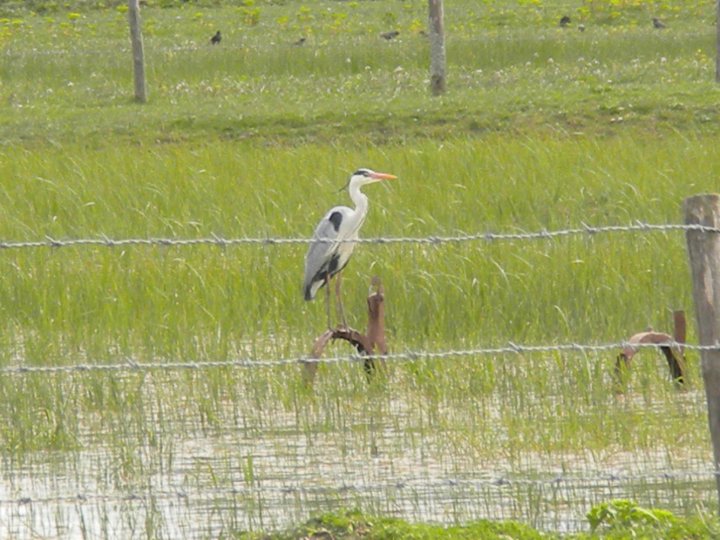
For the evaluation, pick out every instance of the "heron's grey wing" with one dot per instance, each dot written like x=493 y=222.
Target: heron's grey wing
x=322 y=247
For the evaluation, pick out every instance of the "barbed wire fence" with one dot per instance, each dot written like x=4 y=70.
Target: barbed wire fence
x=606 y=482
x=489 y=236
x=130 y=364
x=510 y=348
x=409 y=484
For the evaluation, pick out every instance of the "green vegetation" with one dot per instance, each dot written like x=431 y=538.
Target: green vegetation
x=355 y=525
x=542 y=128
x=66 y=74
x=615 y=519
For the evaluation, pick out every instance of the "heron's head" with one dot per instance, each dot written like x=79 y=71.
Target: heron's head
x=367 y=176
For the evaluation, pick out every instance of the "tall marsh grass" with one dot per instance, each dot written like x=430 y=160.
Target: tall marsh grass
x=173 y=300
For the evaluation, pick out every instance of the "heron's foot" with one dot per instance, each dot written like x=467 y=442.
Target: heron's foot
x=339 y=327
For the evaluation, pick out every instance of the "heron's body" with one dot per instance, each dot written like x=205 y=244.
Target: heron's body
x=334 y=238
x=332 y=247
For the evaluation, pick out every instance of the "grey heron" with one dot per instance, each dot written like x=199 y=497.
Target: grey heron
x=333 y=241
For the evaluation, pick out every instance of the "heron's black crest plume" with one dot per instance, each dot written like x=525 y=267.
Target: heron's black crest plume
x=359 y=172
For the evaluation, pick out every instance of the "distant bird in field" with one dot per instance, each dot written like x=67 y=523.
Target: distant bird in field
x=300 y=42
x=657 y=23
x=333 y=240
x=564 y=21
x=217 y=38
x=390 y=35
x=581 y=27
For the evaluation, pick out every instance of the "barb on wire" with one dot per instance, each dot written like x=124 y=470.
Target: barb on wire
x=132 y=365
x=216 y=240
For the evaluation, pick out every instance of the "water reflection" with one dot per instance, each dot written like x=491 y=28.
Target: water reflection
x=270 y=473
x=229 y=482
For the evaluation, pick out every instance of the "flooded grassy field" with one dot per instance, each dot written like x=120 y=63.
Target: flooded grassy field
x=121 y=415
x=260 y=464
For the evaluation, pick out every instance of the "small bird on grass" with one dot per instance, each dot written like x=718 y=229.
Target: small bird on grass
x=217 y=38
x=657 y=23
x=390 y=35
x=564 y=21
x=300 y=42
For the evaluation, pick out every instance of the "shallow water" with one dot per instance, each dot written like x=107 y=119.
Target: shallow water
x=242 y=477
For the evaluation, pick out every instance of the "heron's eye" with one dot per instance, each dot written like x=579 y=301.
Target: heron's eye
x=361 y=172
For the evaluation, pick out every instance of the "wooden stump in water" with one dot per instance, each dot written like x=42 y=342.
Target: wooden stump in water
x=369 y=344
x=673 y=354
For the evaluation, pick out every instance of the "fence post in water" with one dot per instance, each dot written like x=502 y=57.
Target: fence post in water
x=704 y=253
x=371 y=343
x=137 y=51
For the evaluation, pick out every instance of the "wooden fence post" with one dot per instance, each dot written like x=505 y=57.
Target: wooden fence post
x=371 y=343
x=437 y=47
x=704 y=252
x=137 y=51
x=717 y=42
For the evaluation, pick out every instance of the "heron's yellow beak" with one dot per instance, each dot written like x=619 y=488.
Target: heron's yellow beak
x=383 y=176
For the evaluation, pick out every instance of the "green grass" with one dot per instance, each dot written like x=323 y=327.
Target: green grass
x=617 y=519
x=160 y=300
x=542 y=128
x=519 y=75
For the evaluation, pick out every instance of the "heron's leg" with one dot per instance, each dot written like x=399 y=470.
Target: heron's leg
x=341 y=311
x=327 y=301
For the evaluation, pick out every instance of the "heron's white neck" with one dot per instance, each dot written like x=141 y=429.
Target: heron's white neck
x=359 y=198
x=361 y=205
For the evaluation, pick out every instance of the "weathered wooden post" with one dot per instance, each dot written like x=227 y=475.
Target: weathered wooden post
x=137 y=51
x=717 y=42
x=673 y=354
x=704 y=252
x=437 y=47
x=373 y=342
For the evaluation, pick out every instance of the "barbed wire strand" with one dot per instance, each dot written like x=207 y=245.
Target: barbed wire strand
x=157 y=48
x=130 y=364
x=214 y=240
x=560 y=481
